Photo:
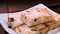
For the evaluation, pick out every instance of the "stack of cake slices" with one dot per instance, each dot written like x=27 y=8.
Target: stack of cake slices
x=36 y=21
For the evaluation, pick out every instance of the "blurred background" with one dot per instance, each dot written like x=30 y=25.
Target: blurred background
x=9 y=6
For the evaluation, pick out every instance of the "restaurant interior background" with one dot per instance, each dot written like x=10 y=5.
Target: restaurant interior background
x=20 y=5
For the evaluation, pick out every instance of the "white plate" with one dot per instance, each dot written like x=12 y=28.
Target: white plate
x=3 y=18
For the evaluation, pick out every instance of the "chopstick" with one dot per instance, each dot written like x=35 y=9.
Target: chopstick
x=48 y=5
x=53 y=5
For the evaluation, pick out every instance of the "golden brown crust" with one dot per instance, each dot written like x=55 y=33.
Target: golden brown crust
x=50 y=23
x=37 y=27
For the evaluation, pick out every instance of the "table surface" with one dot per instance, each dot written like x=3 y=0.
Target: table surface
x=22 y=5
